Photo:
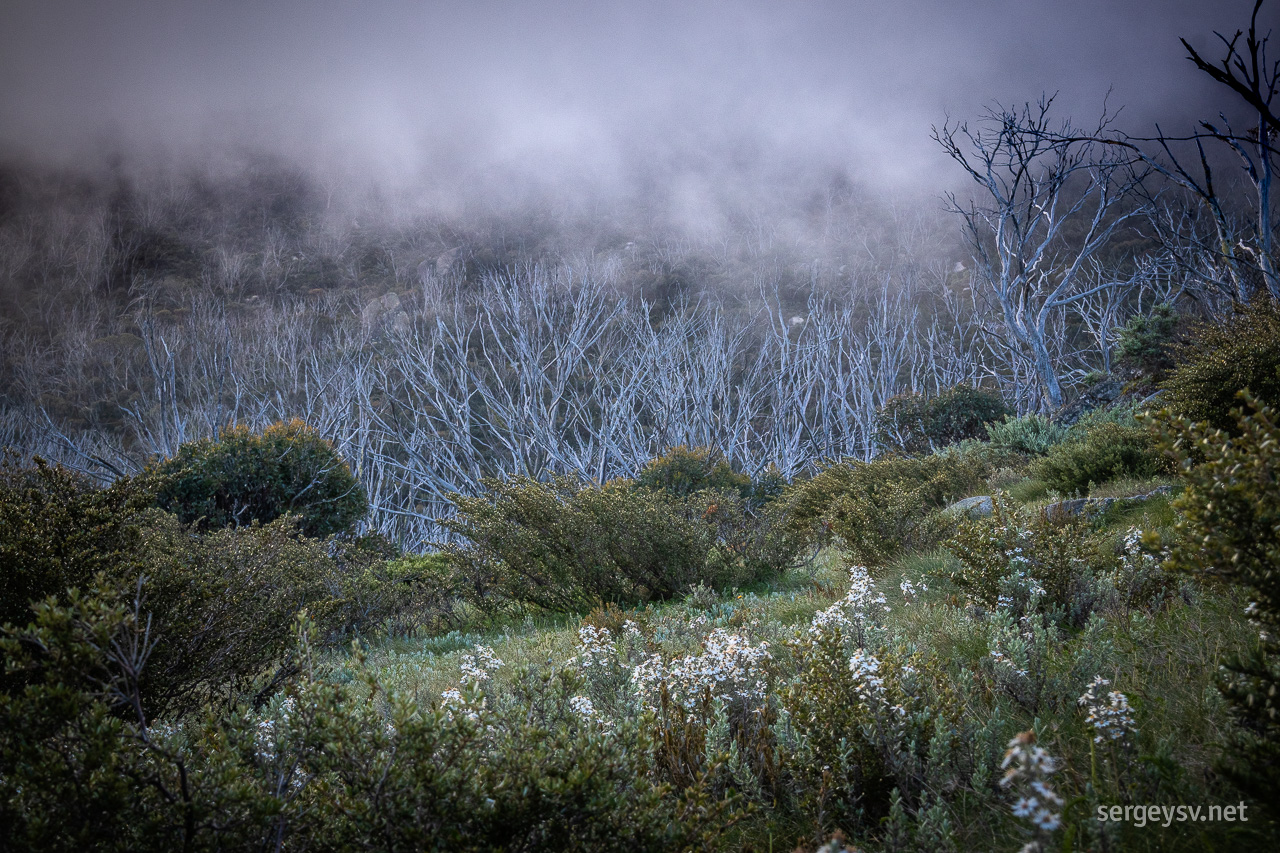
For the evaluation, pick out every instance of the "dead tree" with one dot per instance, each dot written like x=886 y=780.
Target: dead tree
x=1049 y=201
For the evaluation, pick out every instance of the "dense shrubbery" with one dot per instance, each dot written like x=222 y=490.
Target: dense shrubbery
x=1240 y=352
x=567 y=546
x=1032 y=434
x=57 y=530
x=319 y=767
x=917 y=423
x=1146 y=342
x=244 y=477
x=1230 y=527
x=682 y=471
x=1099 y=449
x=878 y=508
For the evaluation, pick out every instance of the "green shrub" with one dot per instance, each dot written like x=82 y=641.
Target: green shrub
x=398 y=596
x=1033 y=434
x=1240 y=352
x=1021 y=560
x=222 y=605
x=682 y=471
x=568 y=547
x=1097 y=451
x=877 y=508
x=318 y=767
x=1146 y=342
x=752 y=543
x=1230 y=528
x=57 y=530
x=916 y=423
x=244 y=477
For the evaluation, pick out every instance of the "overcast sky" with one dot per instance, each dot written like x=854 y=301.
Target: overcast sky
x=591 y=92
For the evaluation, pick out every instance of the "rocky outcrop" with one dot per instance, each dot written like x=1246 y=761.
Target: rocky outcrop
x=975 y=507
x=1087 y=507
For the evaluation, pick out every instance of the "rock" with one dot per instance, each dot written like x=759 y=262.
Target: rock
x=975 y=507
x=1093 y=506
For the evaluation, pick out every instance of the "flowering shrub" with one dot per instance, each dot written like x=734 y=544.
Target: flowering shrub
x=1027 y=770
x=1019 y=561
x=854 y=615
x=730 y=668
x=1110 y=716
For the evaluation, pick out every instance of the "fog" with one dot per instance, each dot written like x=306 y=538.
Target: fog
x=594 y=102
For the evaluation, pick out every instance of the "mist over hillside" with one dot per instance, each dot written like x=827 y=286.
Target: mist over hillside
x=552 y=237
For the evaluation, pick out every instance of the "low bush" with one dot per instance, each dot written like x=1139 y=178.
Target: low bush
x=1099 y=450
x=918 y=423
x=877 y=508
x=222 y=606
x=1238 y=353
x=243 y=477
x=1032 y=434
x=58 y=529
x=682 y=471
x=567 y=547
x=1020 y=560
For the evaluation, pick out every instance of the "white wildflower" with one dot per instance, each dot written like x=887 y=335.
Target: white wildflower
x=1112 y=718
x=477 y=667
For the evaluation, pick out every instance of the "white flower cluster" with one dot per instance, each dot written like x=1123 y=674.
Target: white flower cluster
x=870 y=684
x=479 y=666
x=595 y=647
x=1027 y=768
x=851 y=613
x=266 y=737
x=1001 y=659
x=452 y=699
x=730 y=668
x=1112 y=719
x=582 y=706
x=910 y=591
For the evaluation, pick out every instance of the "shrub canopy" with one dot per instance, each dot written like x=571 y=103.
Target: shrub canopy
x=243 y=477
x=916 y=423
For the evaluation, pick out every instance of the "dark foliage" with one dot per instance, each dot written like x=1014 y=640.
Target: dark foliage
x=1238 y=353
x=918 y=423
x=244 y=477
x=57 y=530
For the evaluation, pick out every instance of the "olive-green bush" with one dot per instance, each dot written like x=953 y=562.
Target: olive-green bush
x=918 y=423
x=682 y=471
x=1240 y=352
x=878 y=508
x=222 y=606
x=565 y=546
x=243 y=477
x=1099 y=450
x=1230 y=528
x=58 y=529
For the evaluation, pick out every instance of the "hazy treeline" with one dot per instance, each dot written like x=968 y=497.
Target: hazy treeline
x=437 y=350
